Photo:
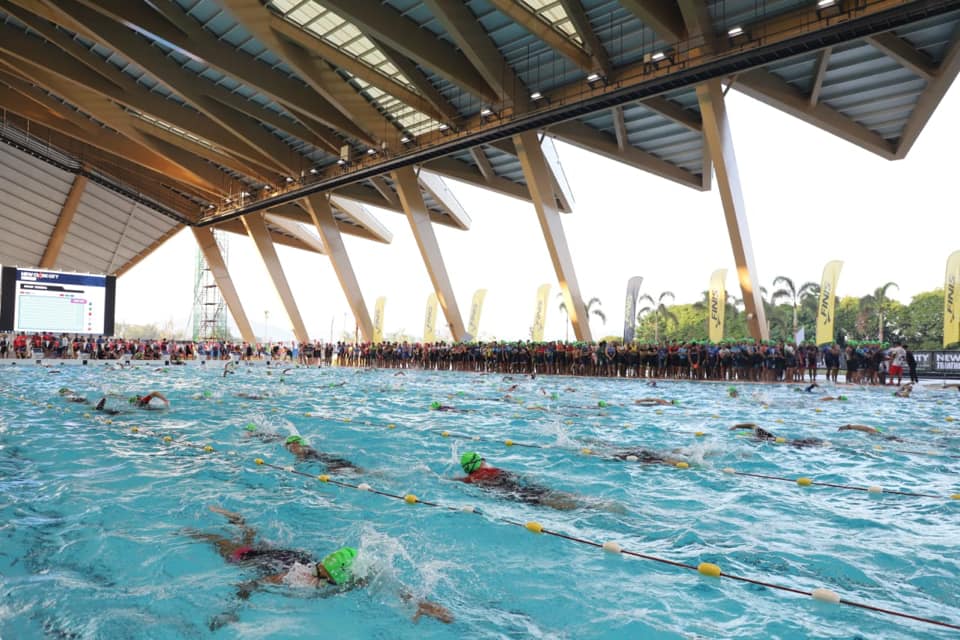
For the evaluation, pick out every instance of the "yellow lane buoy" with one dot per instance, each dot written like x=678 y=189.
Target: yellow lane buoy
x=535 y=527
x=804 y=482
x=323 y=477
x=709 y=569
x=410 y=498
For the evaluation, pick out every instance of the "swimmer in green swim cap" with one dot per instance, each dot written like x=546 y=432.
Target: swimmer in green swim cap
x=293 y=568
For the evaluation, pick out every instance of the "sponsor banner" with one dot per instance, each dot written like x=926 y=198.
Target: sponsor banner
x=718 y=299
x=475 y=309
x=540 y=313
x=378 y=320
x=938 y=363
x=825 y=306
x=430 y=319
x=630 y=309
x=951 y=306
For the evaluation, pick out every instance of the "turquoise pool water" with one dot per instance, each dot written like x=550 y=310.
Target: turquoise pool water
x=95 y=519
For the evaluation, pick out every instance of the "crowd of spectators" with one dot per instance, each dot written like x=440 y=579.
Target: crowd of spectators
x=746 y=360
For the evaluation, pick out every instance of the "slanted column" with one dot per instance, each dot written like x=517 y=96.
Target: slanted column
x=59 y=234
x=218 y=268
x=412 y=201
x=322 y=215
x=537 y=173
x=716 y=130
x=256 y=228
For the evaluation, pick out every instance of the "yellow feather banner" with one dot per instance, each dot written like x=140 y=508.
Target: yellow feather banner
x=540 y=314
x=475 y=310
x=825 y=306
x=718 y=299
x=430 y=320
x=378 y=320
x=951 y=309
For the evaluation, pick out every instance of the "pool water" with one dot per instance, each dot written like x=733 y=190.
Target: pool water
x=96 y=519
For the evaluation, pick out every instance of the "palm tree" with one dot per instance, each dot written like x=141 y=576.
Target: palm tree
x=566 y=315
x=597 y=312
x=874 y=302
x=657 y=308
x=791 y=294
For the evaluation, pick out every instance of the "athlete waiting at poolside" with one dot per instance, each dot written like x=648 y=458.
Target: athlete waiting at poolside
x=760 y=433
x=511 y=485
x=331 y=575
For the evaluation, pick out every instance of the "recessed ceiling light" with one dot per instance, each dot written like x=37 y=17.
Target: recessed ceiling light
x=536 y=95
x=736 y=31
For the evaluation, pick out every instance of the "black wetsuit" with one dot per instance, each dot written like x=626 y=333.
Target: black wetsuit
x=642 y=455
x=270 y=561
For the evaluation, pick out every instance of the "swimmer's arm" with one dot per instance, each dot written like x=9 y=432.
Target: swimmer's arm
x=858 y=427
x=427 y=608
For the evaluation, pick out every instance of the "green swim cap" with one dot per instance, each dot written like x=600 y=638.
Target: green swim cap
x=133 y=399
x=674 y=402
x=338 y=564
x=295 y=440
x=470 y=461
x=841 y=397
x=250 y=427
x=434 y=405
x=601 y=404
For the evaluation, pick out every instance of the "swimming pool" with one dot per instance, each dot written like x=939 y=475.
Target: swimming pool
x=96 y=518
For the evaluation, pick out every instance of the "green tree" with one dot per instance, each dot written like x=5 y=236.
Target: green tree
x=922 y=324
x=658 y=309
x=791 y=294
x=876 y=303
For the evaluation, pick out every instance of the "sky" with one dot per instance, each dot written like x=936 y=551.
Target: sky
x=810 y=198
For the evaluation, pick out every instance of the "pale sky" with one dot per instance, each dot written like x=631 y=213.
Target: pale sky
x=810 y=198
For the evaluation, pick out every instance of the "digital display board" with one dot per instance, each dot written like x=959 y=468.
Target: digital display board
x=37 y=300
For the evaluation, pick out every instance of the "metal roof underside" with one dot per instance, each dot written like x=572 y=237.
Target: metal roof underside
x=193 y=109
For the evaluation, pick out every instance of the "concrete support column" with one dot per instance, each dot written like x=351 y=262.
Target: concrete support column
x=716 y=129
x=412 y=200
x=537 y=173
x=257 y=230
x=211 y=253
x=322 y=215
x=59 y=234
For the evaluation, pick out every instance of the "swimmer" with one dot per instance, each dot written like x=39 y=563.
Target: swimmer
x=832 y=398
x=732 y=392
x=810 y=388
x=874 y=431
x=252 y=396
x=511 y=485
x=436 y=406
x=70 y=396
x=760 y=433
x=299 y=447
x=652 y=402
x=645 y=456
x=146 y=402
x=904 y=391
x=334 y=574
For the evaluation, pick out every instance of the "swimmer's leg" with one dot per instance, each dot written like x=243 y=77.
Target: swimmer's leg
x=225 y=547
x=236 y=519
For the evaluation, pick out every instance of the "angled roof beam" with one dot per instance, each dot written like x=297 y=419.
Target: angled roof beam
x=561 y=188
x=936 y=88
x=532 y=23
x=598 y=55
x=720 y=143
x=278 y=235
x=367 y=194
x=699 y=25
x=380 y=184
x=820 y=71
x=465 y=172
x=777 y=93
x=537 y=174
x=420 y=45
x=112 y=83
x=456 y=214
x=372 y=229
x=140 y=151
x=443 y=111
x=904 y=53
x=297 y=231
x=257 y=230
x=663 y=16
x=419 y=218
x=672 y=110
x=218 y=268
x=620 y=128
x=64 y=220
x=317 y=46
x=464 y=28
x=254 y=143
x=483 y=163
x=257 y=19
x=318 y=208
x=135 y=260
x=590 y=139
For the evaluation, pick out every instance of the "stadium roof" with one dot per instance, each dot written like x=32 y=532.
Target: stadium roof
x=199 y=112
